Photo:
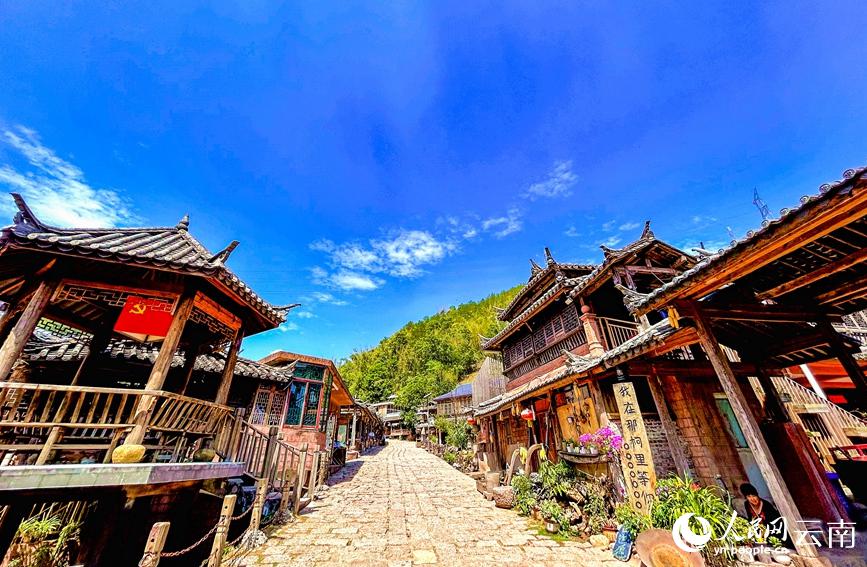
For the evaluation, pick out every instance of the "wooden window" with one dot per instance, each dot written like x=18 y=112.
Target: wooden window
x=296 y=403
x=311 y=408
x=308 y=371
x=267 y=406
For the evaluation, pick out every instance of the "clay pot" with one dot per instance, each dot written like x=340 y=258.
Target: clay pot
x=552 y=527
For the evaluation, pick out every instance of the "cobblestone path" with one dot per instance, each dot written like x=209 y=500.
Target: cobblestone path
x=403 y=506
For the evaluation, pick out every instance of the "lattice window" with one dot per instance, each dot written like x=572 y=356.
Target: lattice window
x=295 y=408
x=308 y=371
x=539 y=340
x=278 y=399
x=115 y=298
x=260 y=407
x=527 y=345
x=570 y=318
x=312 y=405
x=326 y=399
x=214 y=325
x=558 y=326
x=58 y=329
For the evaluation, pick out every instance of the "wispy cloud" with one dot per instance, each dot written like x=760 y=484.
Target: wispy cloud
x=609 y=226
x=403 y=254
x=559 y=183
x=305 y=314
x=629 y=226
x=504 y=225
x=572 y=232
x=611 y=241
x=288 y=326
x=55 y=188
x=323 y=297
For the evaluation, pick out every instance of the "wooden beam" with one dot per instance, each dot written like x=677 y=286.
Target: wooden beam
x=806 y=226
x=846 y=292
x=751 y=312
x=229 y=368
x=161 y=367
x=850 y=365
x=678 y=455
x=761 y=452
x=775 y=411
x=829 y=269
x=651 y=270
x=20 y=333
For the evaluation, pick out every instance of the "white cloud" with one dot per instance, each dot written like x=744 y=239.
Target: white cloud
x=504 y=225
x=350 y=281
x=572 y=232
x=629 y=226
x=57 y=189
x=611 y=241
x=304 y=314
x=609 y=226
x=559 y=183
x=288 y=326
x=402 y=254
x=323 y=297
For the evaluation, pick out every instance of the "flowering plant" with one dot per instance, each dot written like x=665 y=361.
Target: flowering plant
x=607 y=440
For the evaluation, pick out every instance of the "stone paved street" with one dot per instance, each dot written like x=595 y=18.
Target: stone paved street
x=403 y=506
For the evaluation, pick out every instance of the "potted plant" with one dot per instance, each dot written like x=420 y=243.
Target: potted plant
x=587 y=444
x=553 y=515
x=569 y=444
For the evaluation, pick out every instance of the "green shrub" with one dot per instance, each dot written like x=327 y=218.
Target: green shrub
x=556 y=479
x=553 y=512
x=450 y=457
x=634 y=522
x=525 y=497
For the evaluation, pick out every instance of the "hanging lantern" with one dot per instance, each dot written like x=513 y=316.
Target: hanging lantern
x=471 y=421
x=527 y=414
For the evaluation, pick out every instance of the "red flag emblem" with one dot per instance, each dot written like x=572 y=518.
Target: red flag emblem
x=144 y=319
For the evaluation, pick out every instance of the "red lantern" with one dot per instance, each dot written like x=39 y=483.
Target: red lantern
x=471 y=421
x=527 y=414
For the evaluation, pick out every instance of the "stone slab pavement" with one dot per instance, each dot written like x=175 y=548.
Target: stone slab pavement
x=403 y=506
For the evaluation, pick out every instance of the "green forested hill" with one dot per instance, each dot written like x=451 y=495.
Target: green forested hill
x=425 y=358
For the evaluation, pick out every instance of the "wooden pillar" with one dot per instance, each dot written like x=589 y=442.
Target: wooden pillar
x=189 y=366
x=20 y=333
x=299 y=479
x=354 y=419
x=668 y=426
x=161 y=367
x=215 y=559
x=850 y=365
x=229 y=368
x=775 y=411
x=155 y=543
x=592 y=331
x=761 y=452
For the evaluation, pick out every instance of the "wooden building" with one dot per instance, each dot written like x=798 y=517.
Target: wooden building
x=123 y=337
x=708 y=345
x=306 y=407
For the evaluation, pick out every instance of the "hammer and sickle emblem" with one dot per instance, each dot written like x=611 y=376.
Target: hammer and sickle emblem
x=138 y=309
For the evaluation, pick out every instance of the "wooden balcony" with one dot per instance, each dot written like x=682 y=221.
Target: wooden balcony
x=42 y=419
x=616 y=332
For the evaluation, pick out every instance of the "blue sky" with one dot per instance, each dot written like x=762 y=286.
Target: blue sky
x=381 y=161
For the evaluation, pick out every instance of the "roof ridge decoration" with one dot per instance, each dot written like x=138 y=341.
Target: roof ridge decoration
x=157 y=247
x=631 y=298
x=184 y=223
x=223 y=255
x=647 y=234
x=577 y=362
x=549 y=259
x=534 y=267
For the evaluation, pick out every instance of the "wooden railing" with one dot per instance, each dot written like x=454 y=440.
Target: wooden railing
x=827 y=424
x=616 y=331
x=46 y=417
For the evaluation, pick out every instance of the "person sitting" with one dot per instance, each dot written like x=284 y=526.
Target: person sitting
x=757 y=508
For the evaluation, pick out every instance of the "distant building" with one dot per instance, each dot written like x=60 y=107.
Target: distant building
x=392 y=417
x=453 y=404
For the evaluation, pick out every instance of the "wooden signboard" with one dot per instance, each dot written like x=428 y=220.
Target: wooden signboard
x=637 y=461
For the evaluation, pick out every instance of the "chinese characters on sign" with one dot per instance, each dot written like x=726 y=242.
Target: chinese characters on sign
x=636 y=462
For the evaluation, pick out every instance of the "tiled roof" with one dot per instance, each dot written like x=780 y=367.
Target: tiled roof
x=462 y=391
x=169 y=248
x=577 y=365
x=46 y=347
x=538 y=273
x=487 y=343
x=826 y=191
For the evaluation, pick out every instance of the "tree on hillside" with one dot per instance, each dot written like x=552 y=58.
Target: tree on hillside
x=425 y=358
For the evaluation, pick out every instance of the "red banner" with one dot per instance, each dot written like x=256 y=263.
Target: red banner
x=147 y=319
